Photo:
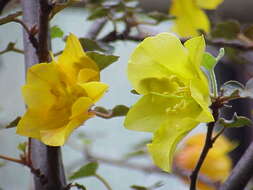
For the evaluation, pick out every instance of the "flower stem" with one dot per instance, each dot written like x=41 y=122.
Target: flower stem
x=207 y=146
x=214 y=83
x=106 y=184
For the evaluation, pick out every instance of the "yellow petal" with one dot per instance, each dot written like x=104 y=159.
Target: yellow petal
x=189 y=18
x=158 y=57
x=81 y=106
x=166 y=139
x=73 y=47
x=148 y=113
x=44 y=74
x=201 y=95
x=58 y=136
x=196 y=47
x=208 y=4
x=73 y=59
x=94 y=90
x=87 y=75
x=38 y=97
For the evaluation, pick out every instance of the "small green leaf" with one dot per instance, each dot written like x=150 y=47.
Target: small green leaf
x=159 y=16
x=79 y=186
x=236 y=121
x=248 y=91
x=120 y=110
x=101 y=109
x=56 y=32
x=90 y=45
x=98 y=13
x=209 y=61
x=134 y=92
x=135 y=154
x=248 y=32
x=137 y=187
x=232 y=88
x=22 y=146
x=228 y=30
x=102 y=60
x=13 y=123
x=85 y=171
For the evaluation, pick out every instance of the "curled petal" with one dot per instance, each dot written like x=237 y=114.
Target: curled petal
x=165 y=141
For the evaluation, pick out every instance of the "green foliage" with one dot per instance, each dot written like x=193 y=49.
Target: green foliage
x=91 y=45
x=120 y=110
x=56 y=32
x=228 y=30
x=209 y=61
x=236 y=121
x=13 y=123
x=137 y=187
x=79 y=186
x=248 y=32
x=159 y=16
x=152 y=187
x=102 y=60
x=22 y=147
x=87 y=170
x=237 y=90
x=135 y=154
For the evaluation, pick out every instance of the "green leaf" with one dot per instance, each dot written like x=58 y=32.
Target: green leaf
x=135 y=154
x=248 y=32
x=13 y=123
x=120 y=110
x=159 y=16
x=248 y=91
x=232 y=88
x=90 y=45
x=98 y=13
x=134 y=92
x=209 y=61
x=79 y=186
x=102 y=60
x=137 y=187
x=22 y=146
x=85 y=171
x=101 y=110
x=236 y=121
x=56 y=32
x=228 y=30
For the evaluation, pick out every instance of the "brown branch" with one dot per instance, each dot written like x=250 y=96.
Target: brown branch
x=96 y=28
x=15 y=160
x=208 y=144
x=242 y=172
x=11 y=47
x=46 y=162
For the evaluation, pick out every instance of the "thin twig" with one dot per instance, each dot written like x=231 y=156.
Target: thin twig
x=208 y=144
x=106 y=184
x=15 y=160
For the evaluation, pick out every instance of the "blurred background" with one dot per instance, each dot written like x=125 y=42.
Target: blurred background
x=108 y=138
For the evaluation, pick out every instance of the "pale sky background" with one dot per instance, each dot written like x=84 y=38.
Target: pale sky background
x=112 y=140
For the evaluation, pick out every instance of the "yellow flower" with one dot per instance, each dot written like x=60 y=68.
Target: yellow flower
x=175 y=92
x=190 y=17
x=59 y=94
x=217 y=165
